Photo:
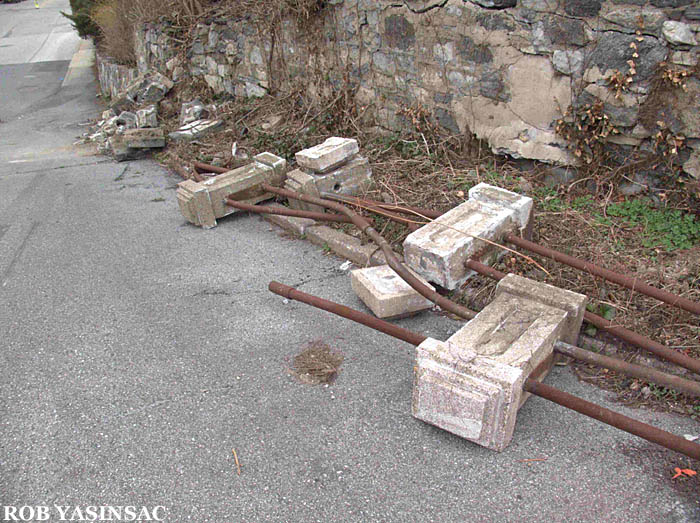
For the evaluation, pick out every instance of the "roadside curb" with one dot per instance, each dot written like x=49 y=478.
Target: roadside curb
x=83 y=61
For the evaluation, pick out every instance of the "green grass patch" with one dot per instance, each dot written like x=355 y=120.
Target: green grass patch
x=668 y=228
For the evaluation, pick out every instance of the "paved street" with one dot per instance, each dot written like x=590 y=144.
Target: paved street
x=137 y=352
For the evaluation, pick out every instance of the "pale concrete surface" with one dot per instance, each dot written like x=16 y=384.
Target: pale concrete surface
x=472 y=396
x=437 y=251
x=136 y=351
x=385 y=293
x=202 y=203
x=326 y=156
x=572 y=302
x=521 y=205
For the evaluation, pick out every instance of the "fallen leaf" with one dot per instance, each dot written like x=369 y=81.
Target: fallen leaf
x=683 y=472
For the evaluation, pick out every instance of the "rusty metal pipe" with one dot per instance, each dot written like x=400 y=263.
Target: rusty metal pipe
x=403 y=209
x=683 y=385
x=620 y=421
x=346 y=312
x=391 y=259
x=209 y=168
x=609 y=417
x=656 y=348
x=621 y=279
x=662 y=351
x=320 y=216
x=411 y=224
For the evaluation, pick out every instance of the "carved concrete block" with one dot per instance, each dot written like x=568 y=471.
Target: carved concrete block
x=471 y=385
x=572 y=303
x=521 y=205
x=243 y=184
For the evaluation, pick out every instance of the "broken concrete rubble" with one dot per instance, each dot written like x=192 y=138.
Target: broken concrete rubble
x=195 y=130
x=148 y=89
x=127 y=119
x=147 y=117
x=202 y=203
x=191 y=111
x=144 y=138
x=386 y=294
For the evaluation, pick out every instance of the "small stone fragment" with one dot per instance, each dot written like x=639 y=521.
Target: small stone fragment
x=147 y=117
x=144 y=138
x=194 y=130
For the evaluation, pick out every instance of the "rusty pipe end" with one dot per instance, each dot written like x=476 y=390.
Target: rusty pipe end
x=281 y=289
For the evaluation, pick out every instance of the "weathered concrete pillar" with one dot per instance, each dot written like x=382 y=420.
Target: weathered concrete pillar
x=437 y=251
x=201 y=203
x=471 y=385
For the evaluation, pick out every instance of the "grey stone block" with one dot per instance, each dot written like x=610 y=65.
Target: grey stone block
x=195 y=130
x=144 y=138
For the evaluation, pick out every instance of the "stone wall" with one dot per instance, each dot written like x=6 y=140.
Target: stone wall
x=114 y=78
x=505 y=70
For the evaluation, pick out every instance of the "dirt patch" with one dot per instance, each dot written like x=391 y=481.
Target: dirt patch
x=317 y=364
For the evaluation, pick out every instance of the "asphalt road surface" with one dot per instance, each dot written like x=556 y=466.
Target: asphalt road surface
x=137 y=352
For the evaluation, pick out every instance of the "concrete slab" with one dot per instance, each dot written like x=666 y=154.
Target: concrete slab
x=144 y=138
x=194 y=130
x=437 y=251
x=325 y=157
x=386 y=294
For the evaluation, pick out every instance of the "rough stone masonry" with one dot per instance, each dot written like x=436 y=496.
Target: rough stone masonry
x=505 y=70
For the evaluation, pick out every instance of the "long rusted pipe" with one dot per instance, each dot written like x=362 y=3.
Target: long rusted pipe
x=209 y=168
x=689 y=387
x=391 y=259
x=620 y=421
x=320 y=216
x=403 y=209
x=346 y=312
x=411 y=224
x=621 y=279
x=627 y=335
x=609 y=417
